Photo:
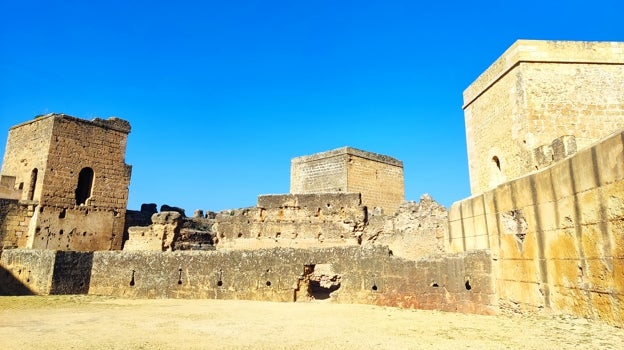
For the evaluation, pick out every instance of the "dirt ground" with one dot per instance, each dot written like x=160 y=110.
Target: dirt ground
x=90 y=322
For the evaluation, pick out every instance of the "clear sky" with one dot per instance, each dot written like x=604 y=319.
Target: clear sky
x=222 y=94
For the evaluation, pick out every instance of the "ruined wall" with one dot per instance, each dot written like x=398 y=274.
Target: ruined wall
x=82 y=228
x=301 y=220
x=78 y=144
x=415 y=231
x=557 y=235
x=377 y=177
x=460 y=282
x=160 y=235
x=74 y=170
x=535 y=92
x=14 y=223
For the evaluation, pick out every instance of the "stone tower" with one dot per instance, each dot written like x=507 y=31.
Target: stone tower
x=378 y=178
x=72 y=174
x=538 y=103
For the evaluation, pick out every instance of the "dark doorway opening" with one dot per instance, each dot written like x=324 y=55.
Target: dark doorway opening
x=85 y=185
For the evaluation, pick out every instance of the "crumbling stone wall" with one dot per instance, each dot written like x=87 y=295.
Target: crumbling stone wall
x=159 y=236
x=556 y=235
x=536 y=92
x=415 y=231
x=377 y=177
x=459 y=282
x=74 y=170
x=302 y=220
x=82 y=228
x=14 y=223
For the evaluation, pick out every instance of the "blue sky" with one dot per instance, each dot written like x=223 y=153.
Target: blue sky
x=222 y=94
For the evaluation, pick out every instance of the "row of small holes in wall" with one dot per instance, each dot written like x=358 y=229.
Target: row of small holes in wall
x=268 y=283
x=219 y=281
x=467 y=285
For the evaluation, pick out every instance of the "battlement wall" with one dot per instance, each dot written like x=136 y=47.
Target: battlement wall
x=556 y=234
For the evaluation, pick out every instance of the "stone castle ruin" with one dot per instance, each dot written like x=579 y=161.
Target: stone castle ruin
x=543 y=231
x=66 y=184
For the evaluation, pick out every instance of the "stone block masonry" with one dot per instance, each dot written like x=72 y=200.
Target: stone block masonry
x=14 y=223
x=556 y=235
x=535 y=93
x=459 y=282
x=74 y=174
x=298 y=221
x=377 y=177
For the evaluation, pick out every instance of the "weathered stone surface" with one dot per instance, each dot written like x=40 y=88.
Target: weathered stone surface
x=321 y=220
x=74 y=172
x=459 y=282
x=161 y=235
x=303 y=220
x=545 y=236
x=531 y=97
x=557 y=251
x=416 y=230
x=377 y=177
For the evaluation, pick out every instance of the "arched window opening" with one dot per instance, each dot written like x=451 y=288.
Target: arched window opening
x=85 y=184
x=497 y=162
x=33 y=184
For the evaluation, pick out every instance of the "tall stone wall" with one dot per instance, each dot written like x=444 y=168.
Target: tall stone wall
x=323 y=172
x=73 y=172
x=557 y=235
x=377 y=177
x=459 y=282
x=78 y=144
x=536 y=92
x=77 y=228
x=27 y=149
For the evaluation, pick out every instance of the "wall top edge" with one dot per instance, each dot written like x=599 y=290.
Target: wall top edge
x=545 y=51
x=112 y=123
x=349 y=151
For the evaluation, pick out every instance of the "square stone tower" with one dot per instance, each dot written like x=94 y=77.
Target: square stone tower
x=73 y=173
x=378 y=178
x=538 y=103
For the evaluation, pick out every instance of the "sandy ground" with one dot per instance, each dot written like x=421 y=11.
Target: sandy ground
x=89 y=322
